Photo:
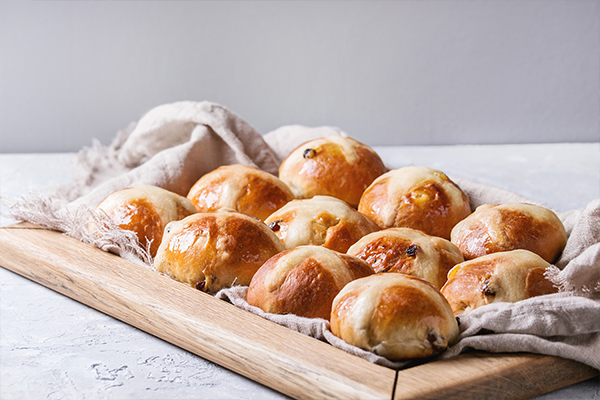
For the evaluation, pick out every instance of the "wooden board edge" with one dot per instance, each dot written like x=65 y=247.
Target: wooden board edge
x=308 y=368
x=481 y=375
x=335 y=374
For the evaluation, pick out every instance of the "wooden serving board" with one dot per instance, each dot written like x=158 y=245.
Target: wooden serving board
x=287 y=361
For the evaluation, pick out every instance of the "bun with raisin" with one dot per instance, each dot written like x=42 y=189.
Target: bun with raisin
x=410 y=252
x=321 y=221
x=334 y=166
x=394 y=315
x=507 y=276
x=415 y=197
x=215 y=250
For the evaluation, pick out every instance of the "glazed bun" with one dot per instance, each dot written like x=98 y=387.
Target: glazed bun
x=396 y=316
x=304 y=280
x=508 y=276
x=212 y=251
x=502 y=227
x=331 y=166
x=415 y=197
x=320 y=221
x=145 y=210
x=410 y=252
x=242 y=188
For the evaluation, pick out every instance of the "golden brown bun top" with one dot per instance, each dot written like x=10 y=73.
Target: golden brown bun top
x=394 y=315
x=322 y=221
x=410 y=252
x=507 y=276
x=415 y=197
x=332 y=166
x=243 y=188
x=502 y=227
x=304 y=280
x=213 y=251
x=145 y=210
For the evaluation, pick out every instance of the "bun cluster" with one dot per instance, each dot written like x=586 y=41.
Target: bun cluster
x=388 y=256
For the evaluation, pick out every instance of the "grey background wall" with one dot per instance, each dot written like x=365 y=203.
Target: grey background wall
x=386 y=72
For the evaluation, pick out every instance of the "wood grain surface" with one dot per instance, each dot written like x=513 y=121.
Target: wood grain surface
x=292 y=363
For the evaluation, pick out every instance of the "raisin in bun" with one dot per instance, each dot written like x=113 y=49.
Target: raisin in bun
x=415 y=197
x=502 y=227
x=145 y=210
x=304 y=280
x=215 y=250
x=410 y=252
x=243 y=188
x=321 y=221
x=332 y=166
x=507 y=276
x=394 y=315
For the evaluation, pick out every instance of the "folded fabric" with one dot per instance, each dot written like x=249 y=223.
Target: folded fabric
x=173 y=145
x=561 y=324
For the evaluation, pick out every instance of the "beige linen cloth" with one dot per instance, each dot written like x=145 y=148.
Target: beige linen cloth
x=174 y=144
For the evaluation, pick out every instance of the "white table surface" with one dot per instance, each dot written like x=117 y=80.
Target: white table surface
x=52 y=347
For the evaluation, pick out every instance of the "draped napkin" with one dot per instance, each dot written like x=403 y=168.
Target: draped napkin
x=174 y=144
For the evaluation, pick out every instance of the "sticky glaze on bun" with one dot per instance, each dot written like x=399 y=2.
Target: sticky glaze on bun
x=242 y=188
x=304 y=280
x=503 y=227
x=507 y=276
x=322 y=221
x=145 y=210
x=415 y=197
x=331 y=166
x=212 y=251
x=394 y=315
x=410 y=252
